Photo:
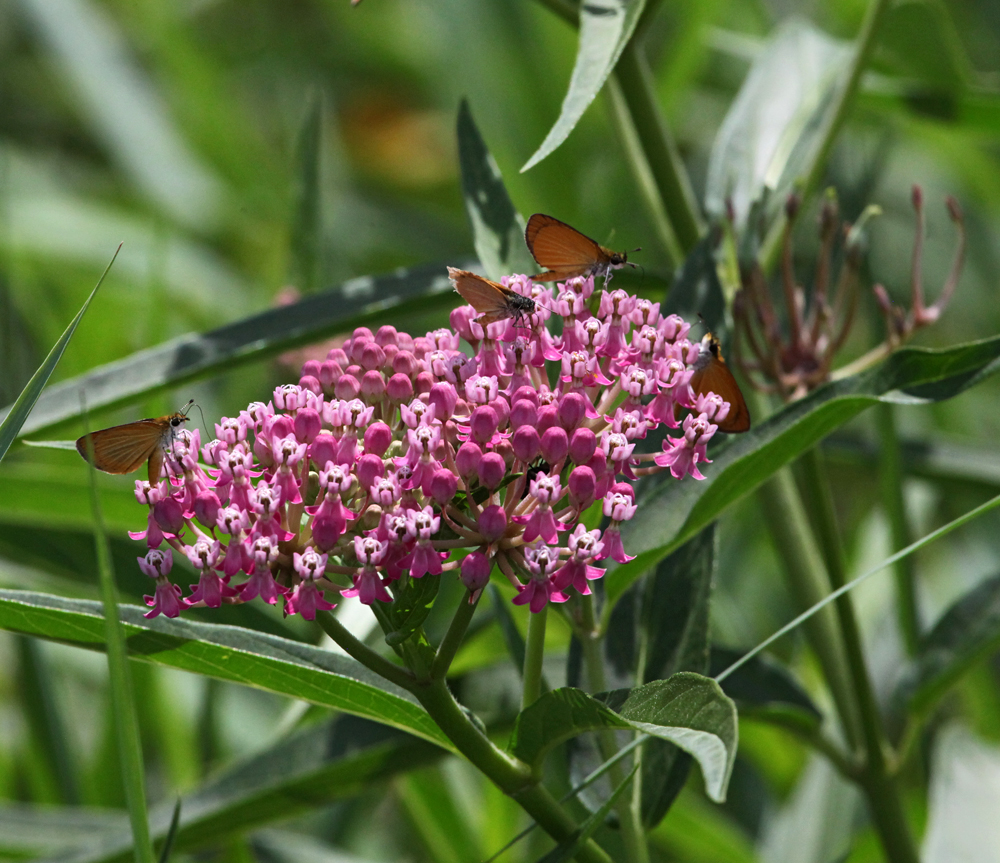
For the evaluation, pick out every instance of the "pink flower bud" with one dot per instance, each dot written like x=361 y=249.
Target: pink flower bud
x=491 y=470
x=461 y=322
x=503 y=449
x=582 y=445
x=282 y=427
x=582 y=487
x=526 y=443
x=493 y=523
x=548 y=416
x=390 y=355
x=572 y=410
x=323 y=449
x=362 y=333
x=206 y=508
x=307 y=425
x=423 y=383
x=169 y=515
x=386 y=335
x=329 y=373
x=523 y=413
x=467 y=458
x=339 y=356
x=347 y=387
x=554 y=445
x=378 y=437
x=372 y=385
x=369 y=466
x=327 y=529
x=311 y=383
x=475 y=574
x=525 y=393
x=311 y=368
x=399 y=389
x=358 y=346
x=444 y=484
x=404 y=363
x=502 y=410
x=444 y=398
x=483 y=424
x=372 y=357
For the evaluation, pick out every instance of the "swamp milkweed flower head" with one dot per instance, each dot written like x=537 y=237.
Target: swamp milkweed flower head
x=453 y=453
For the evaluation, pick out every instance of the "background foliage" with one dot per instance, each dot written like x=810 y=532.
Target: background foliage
x=238 y=149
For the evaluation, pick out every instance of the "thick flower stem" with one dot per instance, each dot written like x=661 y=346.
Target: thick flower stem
x=796 y=547
x=633 y=836
x=884 y=800
x=456 y=632
x=891 y=482
x=534 y=653
x=665 y=164
x=510 y=775
x=362 y=653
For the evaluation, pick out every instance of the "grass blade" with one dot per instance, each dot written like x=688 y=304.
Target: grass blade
x=123 y=705
x=14 y=417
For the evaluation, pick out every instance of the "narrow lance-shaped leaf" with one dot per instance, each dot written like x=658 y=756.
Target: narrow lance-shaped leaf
x=391 y=298
x=497 y=227
x=227 y=653
x=672 y=511
x=13 y=418
x=688 y=710
x=776 y=123
x=605 y=29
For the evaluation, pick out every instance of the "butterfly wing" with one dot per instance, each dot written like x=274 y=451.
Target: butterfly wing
x=124 y=448
x=562 y=249
x=486 y=297
x=715 y=377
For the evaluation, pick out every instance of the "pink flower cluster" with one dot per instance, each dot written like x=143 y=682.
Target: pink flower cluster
x=401 y=457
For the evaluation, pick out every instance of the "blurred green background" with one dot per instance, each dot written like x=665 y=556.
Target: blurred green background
x=174 y=126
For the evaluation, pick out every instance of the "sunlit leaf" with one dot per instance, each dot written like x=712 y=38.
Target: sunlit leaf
x=688 y=710
x=605 y=28
x=774 y=127
x=227 y=653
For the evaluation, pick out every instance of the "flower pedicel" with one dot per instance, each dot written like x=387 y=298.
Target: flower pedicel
x=400 y=457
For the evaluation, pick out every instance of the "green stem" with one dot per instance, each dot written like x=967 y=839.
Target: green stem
x=534 y=653
x=510 y=775
x=628 y=807
x=796 y=547
x=364 y=654
x=665 y=164
x=891 y=481
x=884 y=801
x=123 y=704
x=864 y=46
x=456 y=632
x=848 y=767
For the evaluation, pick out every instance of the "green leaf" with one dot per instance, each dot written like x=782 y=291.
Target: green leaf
x=671 y=512
x=968 y=631
x=497 y=227
x=13 y=418
x=168 y=840
x=566 y=849
x=410 y=608
x=919 y=40
x=226 y=653
x=391 y=298
x=605 y=29
x=762 y=687
x=775 y=125
x=674 y=620
x=324 y=763
x=688 y=710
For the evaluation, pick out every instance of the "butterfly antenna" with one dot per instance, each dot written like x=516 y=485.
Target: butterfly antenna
x=204 y=425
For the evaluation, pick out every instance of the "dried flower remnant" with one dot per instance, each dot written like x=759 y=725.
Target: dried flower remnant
x=796 y=356
x=400 y=457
